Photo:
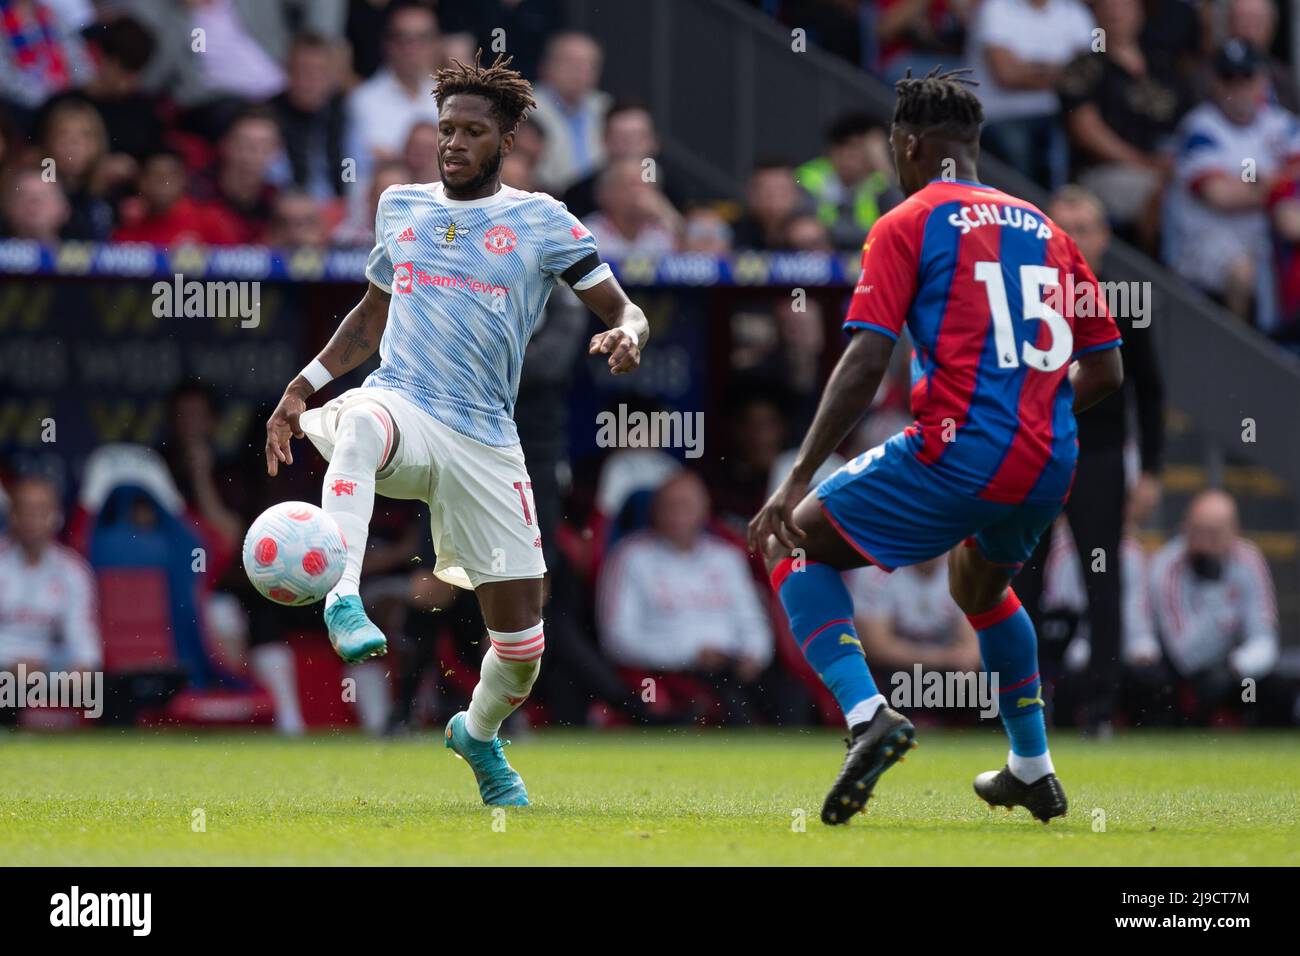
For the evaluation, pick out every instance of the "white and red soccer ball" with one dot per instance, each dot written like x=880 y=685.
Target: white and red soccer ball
x=294 y=553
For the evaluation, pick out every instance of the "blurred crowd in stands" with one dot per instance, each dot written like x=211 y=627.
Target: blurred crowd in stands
x=1180 y=115
x=280 y=122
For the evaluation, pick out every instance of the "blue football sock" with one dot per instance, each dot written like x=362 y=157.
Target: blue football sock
x=1009 y=649
x=820 y=610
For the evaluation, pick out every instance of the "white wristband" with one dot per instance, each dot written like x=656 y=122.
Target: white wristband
x=636 y=339
x=317 y=374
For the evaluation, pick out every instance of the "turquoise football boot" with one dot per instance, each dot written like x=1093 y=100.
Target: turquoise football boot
x=498 y=783
x=353 y=635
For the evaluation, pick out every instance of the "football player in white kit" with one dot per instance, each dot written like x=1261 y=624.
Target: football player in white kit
x=459 y=277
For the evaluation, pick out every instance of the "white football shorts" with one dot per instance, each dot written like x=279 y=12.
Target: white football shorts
x=480 y=497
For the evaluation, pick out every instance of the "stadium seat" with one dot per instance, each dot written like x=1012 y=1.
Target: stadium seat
x=135 y=620
x=134 y=534
x=142 y=548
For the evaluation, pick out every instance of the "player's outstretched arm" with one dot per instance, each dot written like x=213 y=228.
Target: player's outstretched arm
x=355 y=340
x=848 y=395
x=1094 y=376
x=628 y=329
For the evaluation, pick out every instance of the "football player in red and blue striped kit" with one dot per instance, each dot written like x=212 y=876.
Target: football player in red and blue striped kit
x=1011 y=339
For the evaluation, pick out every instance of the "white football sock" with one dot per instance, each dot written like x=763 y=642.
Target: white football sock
x=363 y=437
x=509 y=669
x=864 y=710
x=1030 y=769
x=274 y=667
x=374 y=696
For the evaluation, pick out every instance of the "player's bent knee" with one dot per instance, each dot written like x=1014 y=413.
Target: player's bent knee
x=512 y=605
x=822 y=541
x=976 y=600
x=974 y=583
x=369 y=427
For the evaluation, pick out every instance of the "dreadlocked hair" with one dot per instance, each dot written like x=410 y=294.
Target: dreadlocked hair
x=509 y=93
x=940 y=103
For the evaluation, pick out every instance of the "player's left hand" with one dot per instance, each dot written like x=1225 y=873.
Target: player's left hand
x=777 y=517
x=624 y=356
x=282 y=425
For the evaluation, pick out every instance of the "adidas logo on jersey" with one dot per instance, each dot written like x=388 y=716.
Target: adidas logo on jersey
x=408 y=235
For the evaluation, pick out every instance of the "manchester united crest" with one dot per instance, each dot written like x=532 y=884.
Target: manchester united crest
x=500 y=239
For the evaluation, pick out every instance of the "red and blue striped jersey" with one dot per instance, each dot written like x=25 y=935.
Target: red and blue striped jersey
x=998 y=301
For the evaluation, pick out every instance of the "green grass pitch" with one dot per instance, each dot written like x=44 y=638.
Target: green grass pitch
x=634 y=797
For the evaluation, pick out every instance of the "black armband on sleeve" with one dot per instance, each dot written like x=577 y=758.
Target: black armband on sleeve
x=583 y=267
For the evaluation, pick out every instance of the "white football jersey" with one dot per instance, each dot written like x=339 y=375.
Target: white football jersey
x=45 y=602
x=1201 y=238
x=918 y=605
x=469 y=281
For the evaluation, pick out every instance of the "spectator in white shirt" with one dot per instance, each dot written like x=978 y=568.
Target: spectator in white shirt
x=1232 y=150
x=48 y=609
x=382 y=110
x=1018 y=49
x=570 y=111
x=676 y=599
x=220 y=54
x=1216 y=611
x=632 y=218
x=908 y=618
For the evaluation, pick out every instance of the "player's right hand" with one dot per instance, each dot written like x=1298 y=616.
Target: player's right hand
x=280 y=427
x=777 y=517
x=624 y=355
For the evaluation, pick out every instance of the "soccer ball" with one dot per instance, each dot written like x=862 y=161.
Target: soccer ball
x=294 y=553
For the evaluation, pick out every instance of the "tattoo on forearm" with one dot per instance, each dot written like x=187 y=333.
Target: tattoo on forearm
x=353 y=339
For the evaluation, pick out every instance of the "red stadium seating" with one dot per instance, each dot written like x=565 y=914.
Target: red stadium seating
x=135 y=620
